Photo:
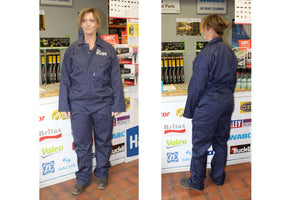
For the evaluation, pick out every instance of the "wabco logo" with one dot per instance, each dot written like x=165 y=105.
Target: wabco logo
x=50 y=134
x=245 y=107
x=179 y=112
x=58 y=115
x=100 y=53
x=172 y=157
x=236 y=123
x=175 y=143
x=240 y=149
x=240 y=136
x=48 y=168
x=50 y=151
x=118 y=135
x=174 y=128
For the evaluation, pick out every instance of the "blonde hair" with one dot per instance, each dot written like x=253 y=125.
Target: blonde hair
x=216 y=22
x=96 y=15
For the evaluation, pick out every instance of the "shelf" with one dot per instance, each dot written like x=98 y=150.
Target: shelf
x=117 y=26
x=60 y=48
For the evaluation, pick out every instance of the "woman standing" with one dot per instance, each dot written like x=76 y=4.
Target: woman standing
x=91 y=92
x=210 y=104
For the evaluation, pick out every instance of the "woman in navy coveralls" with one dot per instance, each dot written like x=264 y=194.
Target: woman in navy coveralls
x=210 y=104
x=91 y=92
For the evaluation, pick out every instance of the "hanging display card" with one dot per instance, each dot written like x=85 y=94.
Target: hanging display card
x=243 y=11
x=124 y=9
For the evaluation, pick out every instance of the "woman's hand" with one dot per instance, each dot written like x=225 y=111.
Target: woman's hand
x=115 y=113
x=67 y=114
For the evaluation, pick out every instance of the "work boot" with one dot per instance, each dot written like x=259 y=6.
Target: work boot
x=185 y=184
x=209 y=174
x=102 y=183
x=78 y=189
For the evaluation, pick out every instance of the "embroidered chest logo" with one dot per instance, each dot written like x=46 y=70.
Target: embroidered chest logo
x=99 y=52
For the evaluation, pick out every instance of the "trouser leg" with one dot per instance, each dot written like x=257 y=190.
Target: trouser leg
x=103 y=126
x=219 y=145
x=201 y=139
x=82 y=134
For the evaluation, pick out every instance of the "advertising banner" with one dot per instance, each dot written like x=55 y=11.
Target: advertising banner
x=177 y=135
x=58 y=160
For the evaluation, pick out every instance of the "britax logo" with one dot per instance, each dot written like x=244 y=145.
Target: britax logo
x=240 y=136
x=240 y=149
x=236 y=123
x=174 y=128
x=175 y=143
x=50 y=134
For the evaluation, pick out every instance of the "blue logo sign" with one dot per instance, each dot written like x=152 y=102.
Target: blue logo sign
x=172 y=157
x=48 y=168
x=132 y=138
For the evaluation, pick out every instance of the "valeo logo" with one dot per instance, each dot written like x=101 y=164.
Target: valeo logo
x=52 y=150
x=175 y=143
x=58 y=115
x=179 y=112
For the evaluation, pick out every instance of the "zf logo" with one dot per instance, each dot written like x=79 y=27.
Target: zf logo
x=172 y=157
x=48 y=168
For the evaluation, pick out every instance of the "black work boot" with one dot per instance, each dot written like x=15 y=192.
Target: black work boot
x=78 y=189
x=102 y=183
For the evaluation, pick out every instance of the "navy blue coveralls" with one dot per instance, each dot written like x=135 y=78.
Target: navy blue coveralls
x=210 y=105
x=91 y=89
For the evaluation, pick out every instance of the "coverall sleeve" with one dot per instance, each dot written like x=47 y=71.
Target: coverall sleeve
x=117 y=86
x=65 y=84
x=197 y=85
x=234 y=68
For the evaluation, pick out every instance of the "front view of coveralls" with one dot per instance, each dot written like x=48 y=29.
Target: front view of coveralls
x=210 y=105
x=91 y=89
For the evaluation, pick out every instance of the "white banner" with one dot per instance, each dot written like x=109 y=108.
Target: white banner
x=58 y=160
x=210 y=7
x=170 y=6
x=177 y=135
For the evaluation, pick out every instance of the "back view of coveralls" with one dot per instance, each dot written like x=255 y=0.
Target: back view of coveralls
x=91 y=89
x=210 y=105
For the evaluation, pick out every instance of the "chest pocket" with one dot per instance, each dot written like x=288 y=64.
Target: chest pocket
x=101 y=75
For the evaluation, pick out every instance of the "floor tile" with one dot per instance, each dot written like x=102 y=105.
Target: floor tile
x=122 y=185
x=237 y=185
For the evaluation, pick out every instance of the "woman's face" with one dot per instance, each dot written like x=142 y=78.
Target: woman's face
x=89 y=25
x=205 y=33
